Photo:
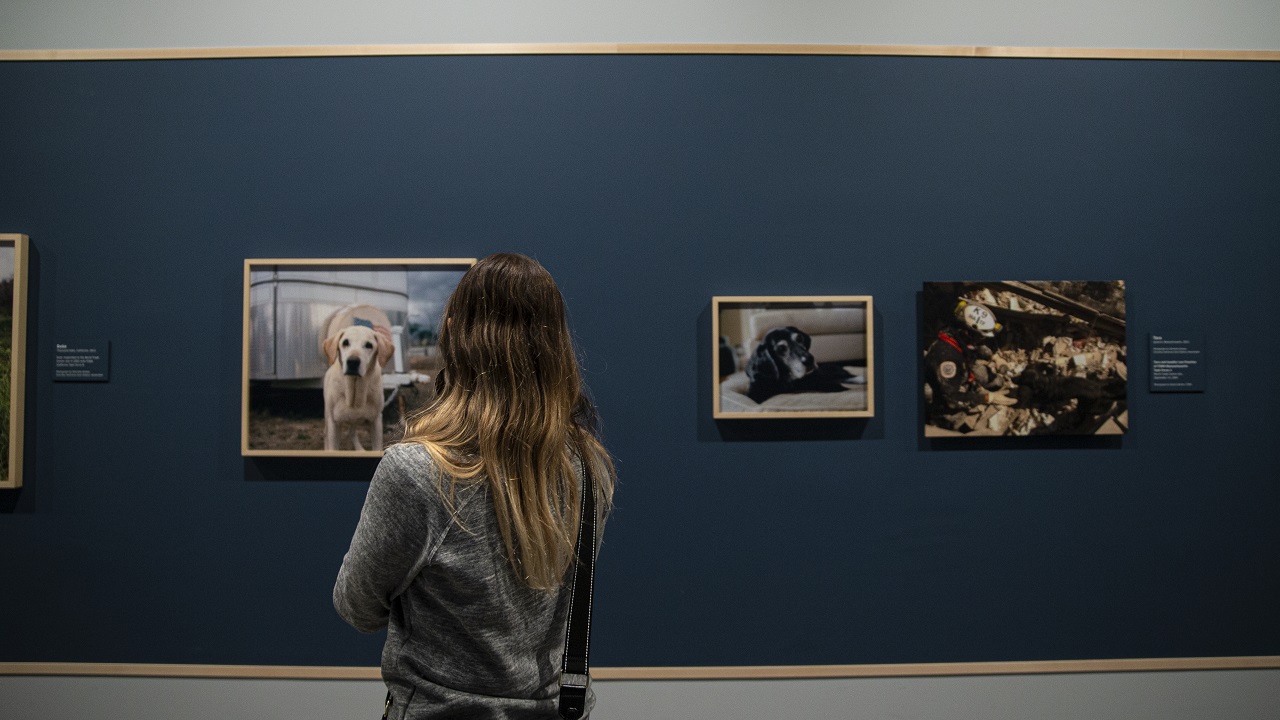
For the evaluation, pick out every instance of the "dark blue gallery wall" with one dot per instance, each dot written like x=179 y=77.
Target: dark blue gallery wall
x=647 y=185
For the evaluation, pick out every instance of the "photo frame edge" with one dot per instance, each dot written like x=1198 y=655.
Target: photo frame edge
x=871 y=357
x=715 y=357
x=244 y=365
x=17 y=360
x=360 y=261
x=313 y=453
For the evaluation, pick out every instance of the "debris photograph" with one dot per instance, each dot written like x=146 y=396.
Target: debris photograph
x=1023 y=358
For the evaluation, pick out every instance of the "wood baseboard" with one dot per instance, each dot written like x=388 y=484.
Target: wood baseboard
x=762 y=672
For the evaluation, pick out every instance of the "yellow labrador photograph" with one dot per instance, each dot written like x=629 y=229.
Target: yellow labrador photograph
x=338 y=352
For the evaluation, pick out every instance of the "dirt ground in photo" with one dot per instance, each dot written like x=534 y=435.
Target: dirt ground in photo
x=294 y=419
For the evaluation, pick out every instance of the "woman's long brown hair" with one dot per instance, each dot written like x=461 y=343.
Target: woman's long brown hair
x=510 y=408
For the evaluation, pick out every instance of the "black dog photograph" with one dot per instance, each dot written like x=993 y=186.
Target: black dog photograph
x=792 y=357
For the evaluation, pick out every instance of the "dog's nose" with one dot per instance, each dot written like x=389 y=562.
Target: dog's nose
x=353 y=366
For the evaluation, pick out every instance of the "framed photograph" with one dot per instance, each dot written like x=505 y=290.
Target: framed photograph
x=1024 y=358
x=338 y=352
x=13 y=354
x=792 y=357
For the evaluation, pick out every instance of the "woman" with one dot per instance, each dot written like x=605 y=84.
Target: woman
x=467 y=533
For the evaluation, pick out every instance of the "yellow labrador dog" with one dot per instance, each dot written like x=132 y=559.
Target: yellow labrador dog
x=353 y=385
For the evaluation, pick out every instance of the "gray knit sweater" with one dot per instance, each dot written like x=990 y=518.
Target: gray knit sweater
x=465 y=637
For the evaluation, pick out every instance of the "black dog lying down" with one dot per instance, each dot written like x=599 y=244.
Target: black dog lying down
x=782 y=363
x=1041 y=387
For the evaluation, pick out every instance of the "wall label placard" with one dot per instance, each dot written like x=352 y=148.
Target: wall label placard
x=1177 y=362
x=82 y=361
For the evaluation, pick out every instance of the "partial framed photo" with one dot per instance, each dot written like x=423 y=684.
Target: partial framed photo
x=338 y=352
x=13 y=354
x=792 y=357
x=1024 y=358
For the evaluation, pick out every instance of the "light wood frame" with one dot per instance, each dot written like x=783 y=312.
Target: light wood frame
x=717 y=304
x=606 y=48
x=258 y=263
x=17 y=360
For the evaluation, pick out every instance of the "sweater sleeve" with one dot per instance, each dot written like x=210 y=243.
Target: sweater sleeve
x=393 y=539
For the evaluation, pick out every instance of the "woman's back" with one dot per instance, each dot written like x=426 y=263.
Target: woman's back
x=465 y=636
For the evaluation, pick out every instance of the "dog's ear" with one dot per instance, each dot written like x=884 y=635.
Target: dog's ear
x=762 y=367
x=330 y=346
x=386 y=346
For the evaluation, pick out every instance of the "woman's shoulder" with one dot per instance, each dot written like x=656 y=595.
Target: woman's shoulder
x=407 y=453
x=408 y=458
x=409 y=465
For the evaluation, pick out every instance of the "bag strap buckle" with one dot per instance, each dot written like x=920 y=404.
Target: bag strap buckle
x=573 y=695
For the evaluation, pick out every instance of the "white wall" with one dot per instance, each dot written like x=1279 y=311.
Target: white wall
x=1163 y=24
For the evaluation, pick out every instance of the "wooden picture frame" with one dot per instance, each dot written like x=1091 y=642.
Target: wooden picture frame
x=823 y=366
x=298 y=320
x=13 y=359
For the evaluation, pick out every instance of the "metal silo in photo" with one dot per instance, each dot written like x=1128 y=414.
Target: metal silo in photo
x=290 y=309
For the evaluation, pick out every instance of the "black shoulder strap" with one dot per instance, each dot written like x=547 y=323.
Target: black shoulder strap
x=575 y=673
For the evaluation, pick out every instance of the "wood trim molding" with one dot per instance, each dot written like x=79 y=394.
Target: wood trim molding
x=762 y=672
x=635 y=49
x=1045 y=667
x=254 y=672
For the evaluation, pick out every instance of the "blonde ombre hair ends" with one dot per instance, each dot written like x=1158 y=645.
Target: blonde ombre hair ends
x=510 y=408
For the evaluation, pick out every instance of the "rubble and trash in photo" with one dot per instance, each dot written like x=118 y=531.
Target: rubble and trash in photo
x=1054 y=363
